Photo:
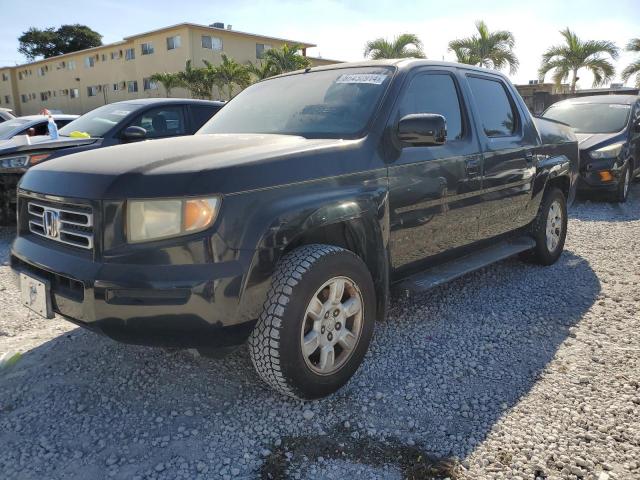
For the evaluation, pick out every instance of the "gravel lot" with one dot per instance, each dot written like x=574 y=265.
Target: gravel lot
x=515 y=371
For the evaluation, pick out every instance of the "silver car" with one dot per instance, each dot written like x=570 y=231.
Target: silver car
x=21 y=125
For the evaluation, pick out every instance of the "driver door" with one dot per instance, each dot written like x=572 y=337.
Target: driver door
x=434 y=191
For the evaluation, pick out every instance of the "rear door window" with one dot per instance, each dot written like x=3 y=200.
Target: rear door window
x=434 y=93
x=495 y=109
x=201 y=114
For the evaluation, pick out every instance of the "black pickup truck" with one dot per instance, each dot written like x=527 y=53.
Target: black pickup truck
x=288 y=218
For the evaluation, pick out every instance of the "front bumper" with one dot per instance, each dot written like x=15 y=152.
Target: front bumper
x=591 y=181
x=187 y=305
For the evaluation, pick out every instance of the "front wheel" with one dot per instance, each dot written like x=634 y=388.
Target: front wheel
x=317 y=322
x=549 y=229
x=622 y=192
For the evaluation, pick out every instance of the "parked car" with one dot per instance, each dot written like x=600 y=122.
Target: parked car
x=608 y=129
x=6 y=114
x=39 y=123
x=286 y=223
x=113 y=124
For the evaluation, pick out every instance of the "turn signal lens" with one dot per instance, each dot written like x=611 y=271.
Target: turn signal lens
x=199 y=214
x=605 y=176
x=38 y=158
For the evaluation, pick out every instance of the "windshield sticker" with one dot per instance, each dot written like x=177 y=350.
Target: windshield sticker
x=121 y=113
x=371 y=78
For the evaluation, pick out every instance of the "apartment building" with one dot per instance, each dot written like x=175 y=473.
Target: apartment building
x=81 y=81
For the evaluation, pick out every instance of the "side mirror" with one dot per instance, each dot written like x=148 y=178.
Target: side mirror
x=422 y=129
x=134 y=133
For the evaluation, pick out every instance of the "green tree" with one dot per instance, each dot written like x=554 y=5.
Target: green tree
x=168 y=80
x=197 y=81
x=260 y=71
x=228 y=74
x=403 y=46
x=286 y=59
x=487 y=49
x=50 y=42
x=634 y=67
x=567 y=59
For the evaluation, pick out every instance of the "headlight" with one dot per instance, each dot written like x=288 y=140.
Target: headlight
x=610 y=151
x=157 y=219
x=21 y=161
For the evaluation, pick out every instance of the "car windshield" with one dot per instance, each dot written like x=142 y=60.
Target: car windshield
x=99 y=121
x=323 y=104
x=591 y=117
x=10 y=125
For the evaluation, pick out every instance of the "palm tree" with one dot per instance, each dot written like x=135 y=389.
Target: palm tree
x=261 y=71
x=575 y=54
x=634 y=67
x=286 y=59
x=403 y=46
x=196 y=80
x=228 y=74
x=487 y=49
x=168 y=80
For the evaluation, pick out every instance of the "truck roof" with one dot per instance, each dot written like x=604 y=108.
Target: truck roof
x=619 y=99
x=400 y=63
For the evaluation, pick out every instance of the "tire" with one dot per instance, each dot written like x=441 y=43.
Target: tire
x=624 y=184
x=547 y=250
x=299 y=309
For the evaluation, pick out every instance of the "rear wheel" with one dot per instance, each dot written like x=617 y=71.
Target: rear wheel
x=317 y=322
x=549 y=229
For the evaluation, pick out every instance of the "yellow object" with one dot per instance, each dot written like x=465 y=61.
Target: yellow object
x=605 y=176
x=76 y=134
x=198 y=214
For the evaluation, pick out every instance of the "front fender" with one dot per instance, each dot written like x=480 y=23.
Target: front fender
x=352 y=213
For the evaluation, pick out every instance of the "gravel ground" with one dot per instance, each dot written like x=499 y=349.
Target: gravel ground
x=515 y=371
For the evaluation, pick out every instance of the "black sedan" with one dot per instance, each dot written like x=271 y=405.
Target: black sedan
x=113 y=124
x=608 y=131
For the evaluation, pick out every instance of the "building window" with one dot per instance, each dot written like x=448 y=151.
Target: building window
x=92 y=91
x=173 y=42
x=261 y=48
x=40 y=71
x=129 y=54
x=74 y=92
x=116 y=87
x=132 y=86
x=147 y=48
x=89 y=62
x=43 y=96
x=116 y=55
x=23 y=98
x=103 y=57
x=212 y=43
x=71 y=65
x=149 y=84
x=5 y=77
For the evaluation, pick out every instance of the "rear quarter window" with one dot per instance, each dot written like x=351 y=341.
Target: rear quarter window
x=201 y=114
x=495 y=108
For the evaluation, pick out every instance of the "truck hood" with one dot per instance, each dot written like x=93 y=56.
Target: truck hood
x=191 y=165
x=42 y=142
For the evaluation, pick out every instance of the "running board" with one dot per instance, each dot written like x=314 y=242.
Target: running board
x=448 y=271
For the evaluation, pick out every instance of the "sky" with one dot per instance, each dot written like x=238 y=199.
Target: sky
x=342 y=28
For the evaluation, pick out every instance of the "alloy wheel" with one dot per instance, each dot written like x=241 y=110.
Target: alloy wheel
x=554 y=226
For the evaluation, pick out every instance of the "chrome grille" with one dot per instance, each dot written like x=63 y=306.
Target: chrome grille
x=68 y=224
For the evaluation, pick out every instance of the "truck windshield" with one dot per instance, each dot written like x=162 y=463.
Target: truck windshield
x=323 y=104
x=99 y=121
x=591 y=117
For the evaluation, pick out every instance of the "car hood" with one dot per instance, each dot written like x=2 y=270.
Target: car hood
x=586 y=141
x=42 y=142
x=192 y=165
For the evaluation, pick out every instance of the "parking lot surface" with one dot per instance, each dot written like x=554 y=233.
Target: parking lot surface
x=515 y=371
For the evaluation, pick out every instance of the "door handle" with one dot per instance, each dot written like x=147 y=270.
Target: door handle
x=472 y=166
x=529 y=157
